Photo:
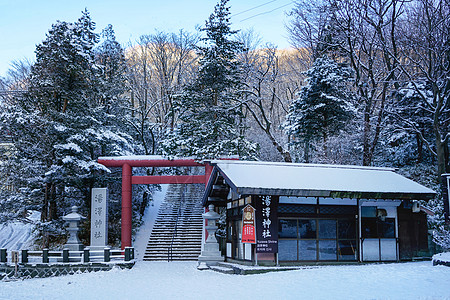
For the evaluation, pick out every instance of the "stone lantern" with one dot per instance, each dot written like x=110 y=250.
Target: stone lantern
x=210 y=255
x=73 y=221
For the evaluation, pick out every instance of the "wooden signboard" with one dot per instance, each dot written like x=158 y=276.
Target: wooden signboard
x=248 y=225
x=266 y=223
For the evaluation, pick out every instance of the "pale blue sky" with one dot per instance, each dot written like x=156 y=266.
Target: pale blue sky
x=24 y=23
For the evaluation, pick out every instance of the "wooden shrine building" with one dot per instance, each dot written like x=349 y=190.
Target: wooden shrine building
x=319 y=213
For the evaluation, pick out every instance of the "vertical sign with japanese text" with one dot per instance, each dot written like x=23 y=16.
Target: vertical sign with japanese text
x=99 y=217
x=266 y=224
x=248 y=225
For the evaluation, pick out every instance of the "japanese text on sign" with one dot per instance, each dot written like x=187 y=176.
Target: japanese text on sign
x=266 y=224
x=99 y=217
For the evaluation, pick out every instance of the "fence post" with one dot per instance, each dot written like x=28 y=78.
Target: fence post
x=65 y=255
x=24 y=256
x=86 y=255
x=127 y=254
x=106 y=255
x=3 y=255
x=45 y=258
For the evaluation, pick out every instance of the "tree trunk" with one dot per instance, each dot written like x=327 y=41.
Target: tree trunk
x=306 y=152
x=325 y=146
x=442 y=159
x=419 y=149
x=367 y=157
x=44 y=209
x=284 y=153
x=52 y=204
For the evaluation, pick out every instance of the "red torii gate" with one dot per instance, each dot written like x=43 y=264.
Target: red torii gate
x=128 y=162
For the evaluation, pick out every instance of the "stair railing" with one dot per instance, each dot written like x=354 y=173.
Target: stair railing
x=170 y=249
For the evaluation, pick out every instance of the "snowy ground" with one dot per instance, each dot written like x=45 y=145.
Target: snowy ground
x=174 y=280
x=181 y=280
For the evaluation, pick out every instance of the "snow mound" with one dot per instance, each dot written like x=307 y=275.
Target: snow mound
x=19 y=234
x=444 y=257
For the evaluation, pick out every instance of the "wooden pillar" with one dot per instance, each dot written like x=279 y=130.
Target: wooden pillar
x=126 y=206
x=208 y=171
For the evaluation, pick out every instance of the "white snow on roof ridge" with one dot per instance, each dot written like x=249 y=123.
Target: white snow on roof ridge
x=286 y=176
x=305 y=165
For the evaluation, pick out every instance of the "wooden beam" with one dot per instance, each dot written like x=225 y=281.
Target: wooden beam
x=180 y=179
x=117 y=162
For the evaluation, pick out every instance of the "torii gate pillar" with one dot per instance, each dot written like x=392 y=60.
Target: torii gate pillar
x=126 y=206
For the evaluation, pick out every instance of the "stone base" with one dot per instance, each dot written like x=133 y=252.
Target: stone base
x=210 y=259
x=97 y=248
x=202 y=266
x=74 y=247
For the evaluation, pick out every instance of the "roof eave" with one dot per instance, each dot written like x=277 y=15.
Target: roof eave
x=334 y=194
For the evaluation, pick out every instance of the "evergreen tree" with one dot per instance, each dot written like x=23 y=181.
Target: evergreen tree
x=323 y=108
x=67 y=119
x=110 y=58
x=210 y=108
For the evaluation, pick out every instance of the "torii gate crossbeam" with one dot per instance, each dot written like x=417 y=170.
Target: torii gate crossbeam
x=128 y=162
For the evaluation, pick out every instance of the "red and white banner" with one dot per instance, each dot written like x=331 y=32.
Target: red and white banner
x=248 y=225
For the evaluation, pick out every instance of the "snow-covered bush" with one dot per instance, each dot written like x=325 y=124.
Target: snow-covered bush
x=441 y=236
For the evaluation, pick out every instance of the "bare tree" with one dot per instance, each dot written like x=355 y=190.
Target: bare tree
x=362 y=33
x=158 y=66
x=426 y=67
x=16 y=81
x=265 y=97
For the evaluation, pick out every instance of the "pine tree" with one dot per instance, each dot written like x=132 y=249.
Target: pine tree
x=323 y=108
x=110 y=58
x=68 y=118
x=210 y=109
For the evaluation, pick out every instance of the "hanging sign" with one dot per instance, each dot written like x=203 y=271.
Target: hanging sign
x=266 y=224
x=248 y=225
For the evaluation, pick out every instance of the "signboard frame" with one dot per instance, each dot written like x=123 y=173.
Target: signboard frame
x=266 y=208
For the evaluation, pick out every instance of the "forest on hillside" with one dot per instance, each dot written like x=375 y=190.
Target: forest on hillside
x=365 y=83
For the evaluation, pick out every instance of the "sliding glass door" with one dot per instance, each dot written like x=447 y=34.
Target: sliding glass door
x=302 y=239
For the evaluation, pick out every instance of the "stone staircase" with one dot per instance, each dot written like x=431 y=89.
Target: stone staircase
x=177 y=232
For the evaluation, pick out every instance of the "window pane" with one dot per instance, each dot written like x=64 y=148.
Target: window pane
x=388 y=249
x=371 y=249
x=287 y=249
x=347 y=250
x=307 y=250
x=327 y=229
x=368 y=211
x=307 y=229
x=287 y=228
x=327 y=250
x=386 y=229
x=369 y=228
x=346 y=229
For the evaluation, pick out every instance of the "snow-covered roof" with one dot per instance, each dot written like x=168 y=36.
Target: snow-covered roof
x=290 y=179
